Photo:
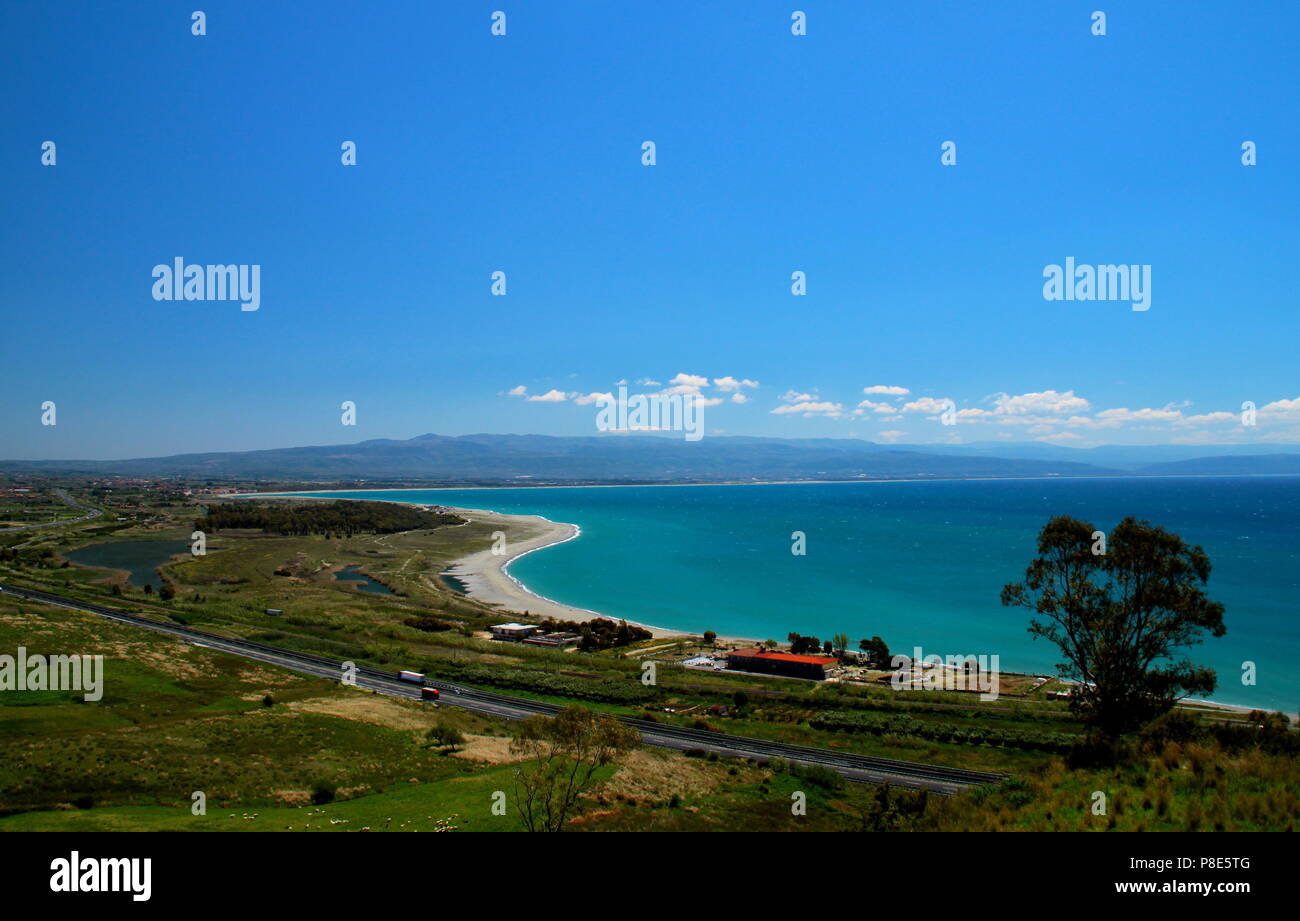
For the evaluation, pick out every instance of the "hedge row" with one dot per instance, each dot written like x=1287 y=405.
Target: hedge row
x=628 y=691
x=842 y=721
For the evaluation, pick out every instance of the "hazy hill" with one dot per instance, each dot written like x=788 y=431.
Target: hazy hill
x=1121 y=457
x=615 y=458
x=657 y=459
x=1227 y=466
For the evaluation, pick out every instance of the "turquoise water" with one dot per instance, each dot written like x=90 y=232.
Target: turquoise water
x=917 y=563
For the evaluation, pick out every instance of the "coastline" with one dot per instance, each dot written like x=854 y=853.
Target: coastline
x=486 y=575
x=487 y=579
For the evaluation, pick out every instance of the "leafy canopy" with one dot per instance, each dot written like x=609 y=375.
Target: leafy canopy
x=1121 y=611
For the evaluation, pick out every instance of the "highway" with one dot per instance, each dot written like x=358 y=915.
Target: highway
x=861 y=768
x=90 y=513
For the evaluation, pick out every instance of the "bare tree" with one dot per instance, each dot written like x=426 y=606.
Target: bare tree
x=564 y=753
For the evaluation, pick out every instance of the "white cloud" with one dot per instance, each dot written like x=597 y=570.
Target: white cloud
x=925 y=405
x=1050 y=416
x=811 y=408
x=1281 y=407
x=551 y=396
x=1044 y=401
x=1112 y=417
x=1209 y=418
x=588 y=399
x=690 y=380
x=729 y=384
x=685 y=384
x=882 y=408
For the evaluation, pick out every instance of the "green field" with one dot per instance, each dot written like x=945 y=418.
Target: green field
x=259 y=740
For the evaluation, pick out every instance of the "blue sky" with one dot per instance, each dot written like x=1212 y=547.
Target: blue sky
x=522 y=153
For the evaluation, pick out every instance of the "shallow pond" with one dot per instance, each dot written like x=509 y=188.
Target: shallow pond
x=139 y=558
x=367 y=584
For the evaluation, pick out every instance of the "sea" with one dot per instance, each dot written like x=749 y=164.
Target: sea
x=918 y=563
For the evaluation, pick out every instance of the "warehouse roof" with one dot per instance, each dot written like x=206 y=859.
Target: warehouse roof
x=756 y=653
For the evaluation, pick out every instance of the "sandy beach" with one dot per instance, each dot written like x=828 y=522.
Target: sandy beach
x=486 y=576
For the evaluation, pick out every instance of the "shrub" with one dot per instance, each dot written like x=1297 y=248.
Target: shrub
x=1094 y=751
x=427 y=624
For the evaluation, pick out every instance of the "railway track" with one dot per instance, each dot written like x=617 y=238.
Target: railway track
x=861 y=768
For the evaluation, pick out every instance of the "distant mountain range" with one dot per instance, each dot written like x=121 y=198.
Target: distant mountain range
x=1121 y=457
x=524 y=459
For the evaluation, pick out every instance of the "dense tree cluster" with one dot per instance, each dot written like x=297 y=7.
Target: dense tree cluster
x=341 y=519
x=877 y=651
x=804 y=645
x=427 y=624
x=600 y=632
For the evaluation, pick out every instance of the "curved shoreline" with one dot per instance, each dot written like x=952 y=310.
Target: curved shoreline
x=486 y=575
x=487 y=578
x=491 y=583
x=476 y=570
